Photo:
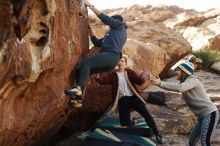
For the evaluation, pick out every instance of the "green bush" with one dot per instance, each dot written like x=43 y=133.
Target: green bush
x=208 y=57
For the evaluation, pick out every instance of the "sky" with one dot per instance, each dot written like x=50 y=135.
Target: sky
x=199 y=5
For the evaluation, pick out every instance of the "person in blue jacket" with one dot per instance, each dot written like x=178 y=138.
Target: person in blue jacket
x=106 y=60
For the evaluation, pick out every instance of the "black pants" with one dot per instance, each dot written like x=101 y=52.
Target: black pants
x=98 y=63
x=127 y=103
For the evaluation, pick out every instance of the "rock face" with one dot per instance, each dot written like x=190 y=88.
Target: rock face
x=216 y=67
x=40 y=43
x=200 y=29
x=154 y=47
x=148 y=13
x=214 y=43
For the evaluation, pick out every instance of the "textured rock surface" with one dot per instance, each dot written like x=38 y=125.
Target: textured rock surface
x=200 y=29
x=154 y=47
x=214 y=43
x=216 y=67
x=40 y=43
x=148 y=13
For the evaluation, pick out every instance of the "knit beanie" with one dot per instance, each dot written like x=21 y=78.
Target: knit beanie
x=187 y=67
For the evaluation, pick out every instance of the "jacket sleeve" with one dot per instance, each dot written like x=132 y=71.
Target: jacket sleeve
x=113 y=23
x=97 y=42
x=179 y=87
x=136 y=78
x=105 y=78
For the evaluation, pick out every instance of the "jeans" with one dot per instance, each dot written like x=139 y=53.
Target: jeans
x=98 y=63
x=204 y=129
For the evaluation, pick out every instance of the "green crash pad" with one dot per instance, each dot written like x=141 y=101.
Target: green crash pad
x=109 y=133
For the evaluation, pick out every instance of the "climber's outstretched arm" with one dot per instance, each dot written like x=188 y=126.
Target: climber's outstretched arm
x=97 y=42
x=96 y=11
x=113 y=23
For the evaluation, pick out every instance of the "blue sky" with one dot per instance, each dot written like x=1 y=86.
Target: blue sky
x=199 y=5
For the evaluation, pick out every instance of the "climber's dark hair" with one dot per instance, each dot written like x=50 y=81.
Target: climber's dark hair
x=119 y=17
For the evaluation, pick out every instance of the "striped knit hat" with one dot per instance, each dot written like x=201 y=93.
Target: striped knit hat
x=187 y=67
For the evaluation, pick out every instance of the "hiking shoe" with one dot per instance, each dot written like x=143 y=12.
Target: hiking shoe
x=72 y=92
x=159 y=139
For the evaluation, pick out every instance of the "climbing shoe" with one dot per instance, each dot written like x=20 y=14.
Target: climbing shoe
x=72 y=92
x=75 y=103
x=84 y=135
x=159 y=139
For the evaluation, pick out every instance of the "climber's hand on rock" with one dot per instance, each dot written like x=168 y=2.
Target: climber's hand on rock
x=95 y=10
x=87 y=3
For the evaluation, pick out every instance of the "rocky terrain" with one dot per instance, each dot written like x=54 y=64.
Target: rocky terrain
x=42 y=42
x=38 y=52
x=176 y=121
x=200 y=29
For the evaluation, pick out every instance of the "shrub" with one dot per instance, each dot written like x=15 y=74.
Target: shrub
x=208 y=57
